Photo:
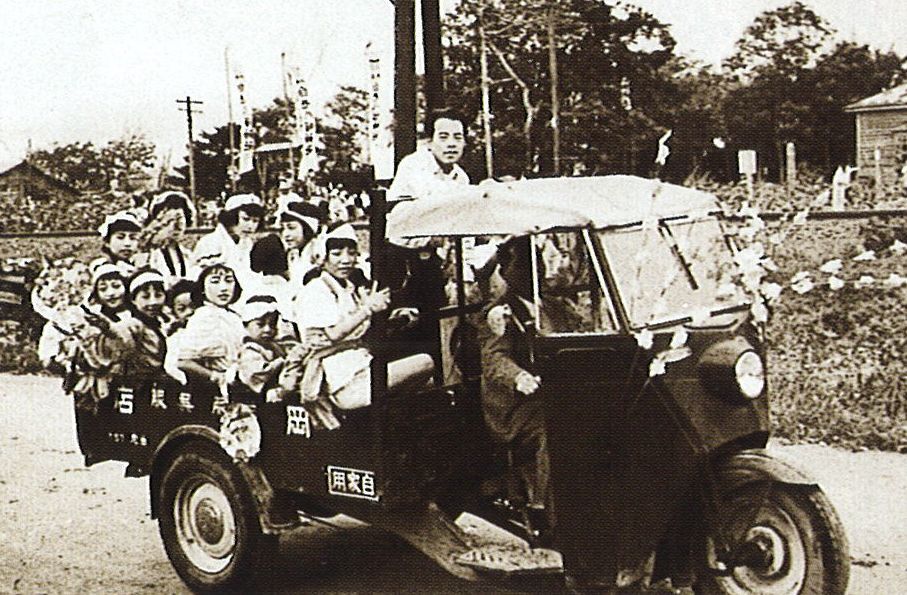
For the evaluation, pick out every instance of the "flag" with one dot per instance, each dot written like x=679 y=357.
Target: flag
x=663 y=149
x=246 y=128
x=304 y=124
x=374 y=116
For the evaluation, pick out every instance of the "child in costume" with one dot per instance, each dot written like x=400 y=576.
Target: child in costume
x=181 y=307
x=231 y=241
x=74 y=343
x=300 y=223
x=261 y=357
x=120 y=234
x=214 y=333
x=139 y=341
x=334 y=306
x=169 y=214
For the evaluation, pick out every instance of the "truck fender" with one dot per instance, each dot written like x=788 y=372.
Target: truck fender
x=254 y=478
x=753 y=465
x=165 y=448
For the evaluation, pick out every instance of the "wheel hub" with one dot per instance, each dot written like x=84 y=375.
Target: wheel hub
x=769 y=557
x=209 y=521
x=205 y=525
x=764 y=551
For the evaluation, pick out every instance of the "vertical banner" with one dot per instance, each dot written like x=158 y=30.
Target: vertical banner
x=246 y=128
x=304 y=124
x=374 y=114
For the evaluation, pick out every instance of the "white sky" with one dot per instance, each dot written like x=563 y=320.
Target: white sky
x=95 y=69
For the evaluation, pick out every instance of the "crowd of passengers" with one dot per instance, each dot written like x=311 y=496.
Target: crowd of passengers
x=259 y=317
x=278 y=318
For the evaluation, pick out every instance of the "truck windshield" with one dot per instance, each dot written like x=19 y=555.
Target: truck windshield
x=672 y=269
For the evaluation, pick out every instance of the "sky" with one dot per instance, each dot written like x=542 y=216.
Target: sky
x=94 y=70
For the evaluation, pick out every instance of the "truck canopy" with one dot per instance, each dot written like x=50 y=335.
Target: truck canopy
x=528 y=206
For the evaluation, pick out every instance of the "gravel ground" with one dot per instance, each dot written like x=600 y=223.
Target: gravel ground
x=68 y=529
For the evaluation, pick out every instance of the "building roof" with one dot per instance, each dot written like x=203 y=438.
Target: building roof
x=36 y=171
x=890 y=99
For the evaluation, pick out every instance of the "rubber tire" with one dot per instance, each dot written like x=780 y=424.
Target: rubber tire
x=820 y=530
x=252 y=548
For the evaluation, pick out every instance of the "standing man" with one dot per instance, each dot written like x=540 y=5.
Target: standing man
x=434 y=167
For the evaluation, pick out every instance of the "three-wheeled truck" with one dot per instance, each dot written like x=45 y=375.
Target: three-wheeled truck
x=655 y=408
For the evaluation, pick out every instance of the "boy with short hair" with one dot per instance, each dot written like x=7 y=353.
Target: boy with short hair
x=261 y=357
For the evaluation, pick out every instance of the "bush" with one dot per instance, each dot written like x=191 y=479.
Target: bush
x=836 y=358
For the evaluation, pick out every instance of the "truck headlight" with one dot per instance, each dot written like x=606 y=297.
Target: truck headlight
x=750 y=374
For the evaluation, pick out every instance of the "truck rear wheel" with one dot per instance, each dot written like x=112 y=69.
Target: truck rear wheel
x=209 y=523
x=774 y=538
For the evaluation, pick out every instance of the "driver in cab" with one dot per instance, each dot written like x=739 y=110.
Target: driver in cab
x=511 y=408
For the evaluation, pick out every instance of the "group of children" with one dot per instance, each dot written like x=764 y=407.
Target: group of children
x=260 y=317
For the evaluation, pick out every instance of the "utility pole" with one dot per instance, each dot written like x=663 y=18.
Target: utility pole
x=433 y=59
x=486 y=99
x=555 y=100
x=232 y=170
x=404 y=79
x=189 y=102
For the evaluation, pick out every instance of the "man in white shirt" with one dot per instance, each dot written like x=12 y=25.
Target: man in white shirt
x=433 y=167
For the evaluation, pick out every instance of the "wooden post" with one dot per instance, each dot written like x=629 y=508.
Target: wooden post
x=434 y=60
x=790 y=151
x=746 y=165
x=877 y=163
x=838 y=189
x=404 y=79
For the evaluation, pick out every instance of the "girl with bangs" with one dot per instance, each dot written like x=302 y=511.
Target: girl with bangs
x=214 y=333
x=231 y=241
x=120 y=234
x=337 y=306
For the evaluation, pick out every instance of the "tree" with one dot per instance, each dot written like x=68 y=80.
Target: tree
x=847 y=74
x=130 y=160
x=555 y=79
x=344 y=133
x=212 y=160
x=78 y=164
x=127 y=163
x=781 y=42
x=771 y=57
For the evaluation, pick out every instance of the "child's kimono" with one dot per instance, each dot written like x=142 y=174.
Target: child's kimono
x=259 y=365
x=81 y=344
x=325 y=302
x=212 y=337
x=139 y=345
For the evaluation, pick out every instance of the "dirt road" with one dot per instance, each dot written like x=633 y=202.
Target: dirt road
x=68 y=529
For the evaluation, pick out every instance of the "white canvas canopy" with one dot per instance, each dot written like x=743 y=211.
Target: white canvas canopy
x=528 y=206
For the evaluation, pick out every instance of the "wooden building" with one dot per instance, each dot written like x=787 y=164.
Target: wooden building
x=881 y=122
x=25 y=182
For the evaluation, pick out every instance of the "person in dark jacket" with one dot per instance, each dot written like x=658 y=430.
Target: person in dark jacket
x=510 y=404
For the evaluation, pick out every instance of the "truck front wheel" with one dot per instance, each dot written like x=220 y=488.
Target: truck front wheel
x=209 y=523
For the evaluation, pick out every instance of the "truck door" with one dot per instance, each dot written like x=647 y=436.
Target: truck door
x=612 y=445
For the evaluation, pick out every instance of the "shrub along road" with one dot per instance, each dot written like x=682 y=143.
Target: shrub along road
x=68 y=529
